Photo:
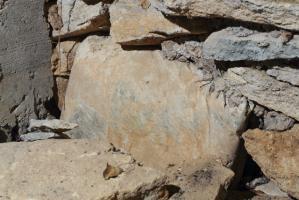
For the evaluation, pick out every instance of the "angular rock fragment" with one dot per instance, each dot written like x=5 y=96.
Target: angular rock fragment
x=284 y=14
x=277 y=155
x=238 y=43
x=274 y=121
x=34 y=136
x=153 y=107
x=79 y=18
x=270 y=189
x=132 y=24
x=285 y=74
x=206 y=181
x=257 y=86
x=55 y=125
x=72 y=169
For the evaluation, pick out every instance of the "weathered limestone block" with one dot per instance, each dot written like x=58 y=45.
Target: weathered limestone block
x=277 y=155
x=80 y=17
x=54 y=125
x=134 y=24
x=284 y=14
x=238 y=43
x=25 y=77
x=274 y=121
x=153 y=107
x=285 y=74
x=73 y=169
x=265 y=90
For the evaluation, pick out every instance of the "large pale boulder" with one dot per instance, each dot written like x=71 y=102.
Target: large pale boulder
x=153 y=107
x=75 y=169
x=238 y=43
x=284 y=14
x=25 y=77
x=80 y=17
x=137 y=23
x=265 y=90
x=277 y=153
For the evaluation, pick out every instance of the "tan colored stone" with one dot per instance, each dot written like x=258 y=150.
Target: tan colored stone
x=137 y=23
x=277 y=153
x=72 y=169
x=60 y=87
x=150 y=106
x=63 y=57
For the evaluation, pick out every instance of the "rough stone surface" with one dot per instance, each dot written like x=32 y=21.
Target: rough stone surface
x=277 y=155
x=25 y=75
x=274 y=121
x=203 y=181
x=285 y=74
x=153 y=107
x=54 y=125
x=73 y=169
x=34 y=136
x=62 y=61
x=132 y=24
x=265 y=90
x=238 y=43
x=284 y=14
x=270 y=189
x=80 y=17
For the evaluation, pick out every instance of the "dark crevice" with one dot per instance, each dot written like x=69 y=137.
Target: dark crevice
x=52 y=108
x=141 y=47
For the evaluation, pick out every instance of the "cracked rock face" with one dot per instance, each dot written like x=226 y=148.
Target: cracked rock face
x=277 y=155
x=25 y=75
x=257 y=86
x=283 y=14
x=153 y=107
x=237 y=43
x=80 y=17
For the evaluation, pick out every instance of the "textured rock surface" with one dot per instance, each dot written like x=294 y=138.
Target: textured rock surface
x=62 y=61
x=237 y=43
x=277 y=155
x=133 y=24
x=284 y=14
x=285 y=74
x=265 y=90
x=80 y=17
x=34 y=136
x=25 y=75
x=73 y=169
x=54 y=125
x=203 y=181
x=274 y=121
x=152 y=107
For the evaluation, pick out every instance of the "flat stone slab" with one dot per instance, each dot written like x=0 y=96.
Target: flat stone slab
x=237 y=43
x=73 y=169
x=283 y=14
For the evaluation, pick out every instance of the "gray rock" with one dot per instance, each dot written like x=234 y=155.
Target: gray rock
x=34 y=136
x=238 y=43
x=257 y=86
x=25 y=77
x=285 y=74
x=270 y=189
x=54 y=125
x=274 y=121
x=284 y=14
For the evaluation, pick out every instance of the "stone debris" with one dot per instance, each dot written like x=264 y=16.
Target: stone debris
x=34 y=136
x=112 y=172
